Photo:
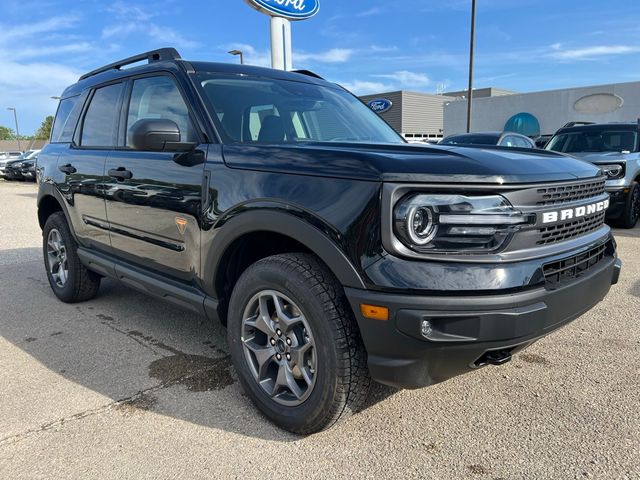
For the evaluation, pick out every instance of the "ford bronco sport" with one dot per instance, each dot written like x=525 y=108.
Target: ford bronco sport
x=334 y=252
x=615 y=148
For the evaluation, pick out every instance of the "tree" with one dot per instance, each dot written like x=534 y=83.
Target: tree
x=44 y=132
x=7 y=133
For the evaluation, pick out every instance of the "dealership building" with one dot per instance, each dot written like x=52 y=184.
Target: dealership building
x=421 y=116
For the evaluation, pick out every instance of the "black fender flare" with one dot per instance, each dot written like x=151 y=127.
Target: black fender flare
x=50 y=190
x=270 y=220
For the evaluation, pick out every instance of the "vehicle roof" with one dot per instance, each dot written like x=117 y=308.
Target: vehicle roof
x=600 y=126
x=184 y=66
x=476 y=134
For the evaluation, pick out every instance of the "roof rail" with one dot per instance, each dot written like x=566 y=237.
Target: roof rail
x=308 y=73
x=151 y=56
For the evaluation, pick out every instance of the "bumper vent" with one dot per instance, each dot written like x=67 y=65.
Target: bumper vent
x=569 y=193
x=572 y=267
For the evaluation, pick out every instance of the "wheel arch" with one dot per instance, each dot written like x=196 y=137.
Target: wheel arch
x=250 y=236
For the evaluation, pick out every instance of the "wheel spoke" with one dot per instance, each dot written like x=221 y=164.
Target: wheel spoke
x=297 y=354
x=285 y=320
x=263 y=354
x=286 y=380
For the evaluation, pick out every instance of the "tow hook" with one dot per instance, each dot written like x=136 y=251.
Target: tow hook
x=494 y=357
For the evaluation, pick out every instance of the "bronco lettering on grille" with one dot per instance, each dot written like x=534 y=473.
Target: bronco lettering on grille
x=577 y=212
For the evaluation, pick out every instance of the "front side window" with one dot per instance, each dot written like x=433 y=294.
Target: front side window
x=605 y=140
x=159 y=98
x=101 y=120
x=264 y=110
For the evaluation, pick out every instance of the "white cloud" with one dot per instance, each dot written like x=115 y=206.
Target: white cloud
x=587 y=53
x=370 y=12
x=39 y=52
x=364 y=87
x=252 y=56
x=335 y=55
x=407 y=79
x=53 y=24
x=130 y=11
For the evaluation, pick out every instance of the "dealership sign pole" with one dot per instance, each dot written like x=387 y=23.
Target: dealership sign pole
x=281 y=13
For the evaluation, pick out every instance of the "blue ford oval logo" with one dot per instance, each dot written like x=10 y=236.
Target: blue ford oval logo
x=380 y=105
x=292 y=9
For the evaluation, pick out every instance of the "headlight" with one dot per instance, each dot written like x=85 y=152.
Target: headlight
x=613 y=171
x=436 y=223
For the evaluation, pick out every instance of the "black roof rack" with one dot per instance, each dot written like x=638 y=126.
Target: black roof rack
x=151 y=56
x=308 y=73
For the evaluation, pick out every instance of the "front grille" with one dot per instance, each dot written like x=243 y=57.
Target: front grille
x=573 y=267
x=570 y=229
x=569 y=193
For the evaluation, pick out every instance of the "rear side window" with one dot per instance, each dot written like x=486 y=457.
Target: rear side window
x=67 y=118
x=101 y=120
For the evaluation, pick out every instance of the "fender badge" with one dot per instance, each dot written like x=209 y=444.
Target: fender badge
x=181 y=223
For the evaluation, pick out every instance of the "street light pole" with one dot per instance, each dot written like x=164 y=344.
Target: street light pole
x=15 y=117
x=238 y=52
x=471 y=45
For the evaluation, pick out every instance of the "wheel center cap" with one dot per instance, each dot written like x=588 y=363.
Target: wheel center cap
x=281 y=346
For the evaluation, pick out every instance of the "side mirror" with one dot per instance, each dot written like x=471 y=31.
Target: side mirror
x=157 y=135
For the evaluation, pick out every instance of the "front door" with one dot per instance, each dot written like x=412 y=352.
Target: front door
x=154 y=198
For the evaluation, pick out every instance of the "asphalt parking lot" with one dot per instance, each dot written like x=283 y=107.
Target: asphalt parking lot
x=127 y=387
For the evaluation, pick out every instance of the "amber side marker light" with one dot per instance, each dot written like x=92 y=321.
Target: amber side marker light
x=374 y=312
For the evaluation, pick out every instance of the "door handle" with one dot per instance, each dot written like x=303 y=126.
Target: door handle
x=120 y=173
x=68 y=169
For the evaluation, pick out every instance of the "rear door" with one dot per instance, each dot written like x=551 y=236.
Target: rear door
x=81 y=164
x=153 y=199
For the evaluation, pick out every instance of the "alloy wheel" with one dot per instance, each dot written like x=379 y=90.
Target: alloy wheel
x=57 y=258
x=279 y=347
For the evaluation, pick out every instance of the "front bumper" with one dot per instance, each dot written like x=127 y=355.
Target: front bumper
x=617 y=201
x=463 y=330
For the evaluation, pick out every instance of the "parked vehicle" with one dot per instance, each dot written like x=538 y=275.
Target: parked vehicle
x=6 y=157
x=23 y=169
x=614 y=147
x=334 y=252
x=482 y=139
x=542 y=141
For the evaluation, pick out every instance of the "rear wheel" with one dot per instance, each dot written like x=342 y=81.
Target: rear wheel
x=631 y=212
x=69 y=279
x=295 y=344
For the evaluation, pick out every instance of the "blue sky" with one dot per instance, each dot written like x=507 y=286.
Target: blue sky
x=367 y=46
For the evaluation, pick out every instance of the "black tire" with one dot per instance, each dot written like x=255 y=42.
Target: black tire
x=631 y=212
x=341 y=379
x=80 y=284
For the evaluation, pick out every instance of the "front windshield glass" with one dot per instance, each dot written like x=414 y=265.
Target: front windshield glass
x=605 y=140
x=470 y=140
x=265 y=110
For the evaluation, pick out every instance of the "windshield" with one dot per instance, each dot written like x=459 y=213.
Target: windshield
x=605 y=140
x=265 y=110
x=471 y=140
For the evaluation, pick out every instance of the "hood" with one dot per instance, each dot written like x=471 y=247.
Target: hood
x=603 y=157
x=410 y=163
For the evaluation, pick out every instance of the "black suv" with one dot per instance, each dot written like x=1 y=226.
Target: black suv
x=334 y=252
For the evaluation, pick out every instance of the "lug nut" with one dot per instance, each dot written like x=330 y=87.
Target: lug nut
x=278 y=356
x=279 y=332
x=288 y=356
x=288 y=341
x=273 y=341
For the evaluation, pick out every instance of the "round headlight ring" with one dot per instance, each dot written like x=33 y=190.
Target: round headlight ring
x=420 y=225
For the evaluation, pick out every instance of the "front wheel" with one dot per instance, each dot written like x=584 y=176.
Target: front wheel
x=631 y=211
x=295 y=344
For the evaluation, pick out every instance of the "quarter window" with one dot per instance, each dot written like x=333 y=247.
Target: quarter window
x=101 y=120
x=159 y=98
x=67 y=118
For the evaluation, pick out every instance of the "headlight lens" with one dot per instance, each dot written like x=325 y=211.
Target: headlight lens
x=613 y=171
x=437 y=223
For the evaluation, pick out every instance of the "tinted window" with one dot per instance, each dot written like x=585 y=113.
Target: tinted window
x=101 y=120
x=281 y=111
x=470 y=140
x=593 y=140
x=159 y=98
x=66 y=119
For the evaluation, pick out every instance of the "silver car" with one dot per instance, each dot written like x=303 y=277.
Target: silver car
x=6 y=157
x=615 y=148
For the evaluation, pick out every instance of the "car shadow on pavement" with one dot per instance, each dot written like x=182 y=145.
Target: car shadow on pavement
x=145 y=355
